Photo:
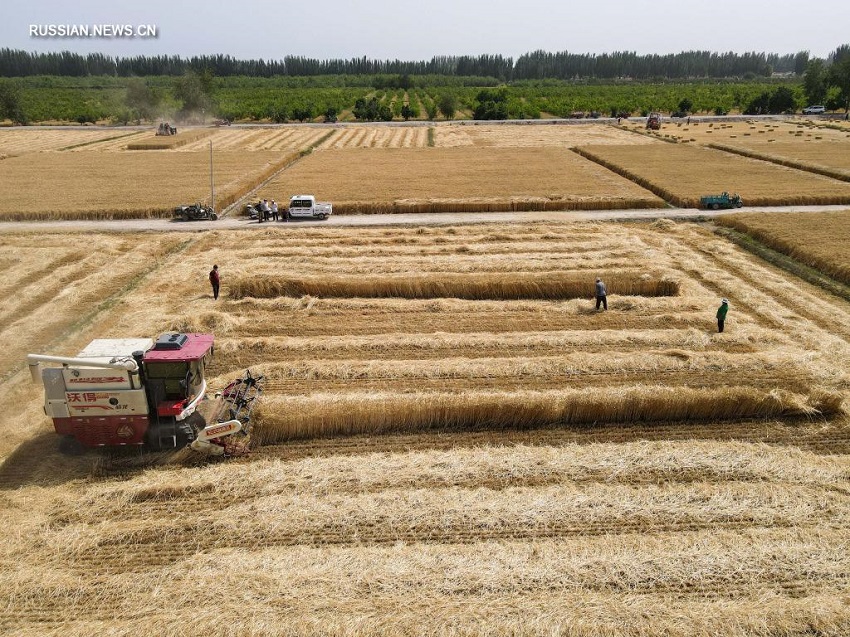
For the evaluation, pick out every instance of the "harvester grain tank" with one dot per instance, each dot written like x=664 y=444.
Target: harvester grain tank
x=136 y=391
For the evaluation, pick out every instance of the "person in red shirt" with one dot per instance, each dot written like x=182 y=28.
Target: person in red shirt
x=215 y=281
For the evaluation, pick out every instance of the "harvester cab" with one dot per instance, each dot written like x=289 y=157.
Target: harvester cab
x=119 y=392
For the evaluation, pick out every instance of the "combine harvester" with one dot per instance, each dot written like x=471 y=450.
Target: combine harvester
x=131 y=391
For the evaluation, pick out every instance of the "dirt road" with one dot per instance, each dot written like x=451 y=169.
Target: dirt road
x=443 y=218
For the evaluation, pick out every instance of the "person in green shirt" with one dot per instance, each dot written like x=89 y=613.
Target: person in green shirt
x=721 y=314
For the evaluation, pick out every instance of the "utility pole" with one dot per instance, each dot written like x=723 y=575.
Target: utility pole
x=212 y=184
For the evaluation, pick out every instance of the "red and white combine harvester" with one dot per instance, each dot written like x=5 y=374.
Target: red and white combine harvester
x=134 y=391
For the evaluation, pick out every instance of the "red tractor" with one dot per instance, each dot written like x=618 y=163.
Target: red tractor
x=653 y=122
x=135 y=391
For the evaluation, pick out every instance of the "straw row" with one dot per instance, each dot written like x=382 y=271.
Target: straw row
x=167 y=142
x=472 y=286
x=494 y=467
x=286 y=418
x=569 y=366
x=282 y=348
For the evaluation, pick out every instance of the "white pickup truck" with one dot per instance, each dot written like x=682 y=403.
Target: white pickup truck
x=305 y=207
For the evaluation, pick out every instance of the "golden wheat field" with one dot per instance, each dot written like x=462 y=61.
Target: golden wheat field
x=365 y=180
x=380 y=169
x=468 y=462
x=830 y=158
x=89 y=185
x=682 y=173
x=819 y=239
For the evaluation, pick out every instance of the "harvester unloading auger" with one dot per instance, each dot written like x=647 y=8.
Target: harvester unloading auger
x=119 y=392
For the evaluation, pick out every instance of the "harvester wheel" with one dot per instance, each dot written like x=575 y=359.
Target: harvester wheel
x=70 y=446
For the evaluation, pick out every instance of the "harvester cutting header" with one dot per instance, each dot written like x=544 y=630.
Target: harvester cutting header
x=136 y=391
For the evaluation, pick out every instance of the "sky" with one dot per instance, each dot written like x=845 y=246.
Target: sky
x=421 y=29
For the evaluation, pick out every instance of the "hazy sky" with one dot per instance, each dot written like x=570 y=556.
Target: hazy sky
x=420 y=29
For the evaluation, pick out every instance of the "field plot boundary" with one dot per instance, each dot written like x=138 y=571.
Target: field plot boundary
x=781 y=161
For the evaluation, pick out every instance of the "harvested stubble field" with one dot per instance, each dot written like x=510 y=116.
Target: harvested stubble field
x=18 y=141
x=558 y=135
x=546 y=469
x=820 y=240
x=741 y=133
x=681 y=174
x=381 y=180
x=379 y=137
x=278 y=139
x=96 y=185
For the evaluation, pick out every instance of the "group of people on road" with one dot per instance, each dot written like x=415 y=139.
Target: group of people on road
x=268 y=210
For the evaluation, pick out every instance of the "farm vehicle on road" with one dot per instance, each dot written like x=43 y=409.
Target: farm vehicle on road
x=723 y=200
x=306 y=207
x=195 y=212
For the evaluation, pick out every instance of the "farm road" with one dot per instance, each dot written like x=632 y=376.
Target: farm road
x=442 y=218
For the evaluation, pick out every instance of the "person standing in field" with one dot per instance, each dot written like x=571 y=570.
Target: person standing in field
x=215 y=281
x=601 y=294
x=721 y=314
x=274 y=210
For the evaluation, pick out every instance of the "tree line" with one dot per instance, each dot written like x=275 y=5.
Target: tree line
x=529 y=66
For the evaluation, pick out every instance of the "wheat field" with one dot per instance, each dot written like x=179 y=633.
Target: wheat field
x=669 y=171
x=368 y=168
x=828 y=158
x=94 y=185
x=818 y=239
x=365 y=180
x=440 y=465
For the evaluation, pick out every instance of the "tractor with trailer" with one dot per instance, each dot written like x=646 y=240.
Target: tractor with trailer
x=195 y=212
x=653 y=121
x=165 y=130
x=723 y=200
x=136 y=391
